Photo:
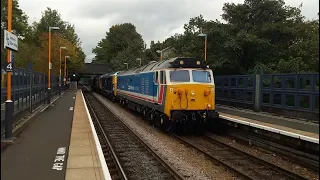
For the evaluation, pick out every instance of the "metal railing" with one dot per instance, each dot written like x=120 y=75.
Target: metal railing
x=289 y=95
x=29 y=91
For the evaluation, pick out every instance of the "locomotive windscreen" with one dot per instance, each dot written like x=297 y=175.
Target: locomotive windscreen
x=201 y=76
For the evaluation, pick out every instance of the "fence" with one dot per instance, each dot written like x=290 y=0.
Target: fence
x=29 y=91
x=289 y=95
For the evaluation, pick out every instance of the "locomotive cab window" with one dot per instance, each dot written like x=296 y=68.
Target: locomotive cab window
x=156 y=77
x=180 y=76
x=162 y=77
x=201 y=76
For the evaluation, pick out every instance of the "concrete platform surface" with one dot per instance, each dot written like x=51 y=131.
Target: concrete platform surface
x=40 y=152
x=294 y=124
x=83 y=161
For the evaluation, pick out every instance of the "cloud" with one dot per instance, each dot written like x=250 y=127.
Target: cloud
x=154 y=19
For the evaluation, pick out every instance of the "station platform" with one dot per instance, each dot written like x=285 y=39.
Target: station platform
x=298 y=129
x=58 y=144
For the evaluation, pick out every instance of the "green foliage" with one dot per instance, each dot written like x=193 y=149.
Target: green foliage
x=122 y=44
x=19 y=23
x=33 y=41
x=266 y=34
x=19 y=18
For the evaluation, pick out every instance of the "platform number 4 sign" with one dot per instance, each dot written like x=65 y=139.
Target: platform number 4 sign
x=9 y=67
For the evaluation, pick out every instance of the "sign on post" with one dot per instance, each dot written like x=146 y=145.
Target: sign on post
x=10 y=41
x=9 y=67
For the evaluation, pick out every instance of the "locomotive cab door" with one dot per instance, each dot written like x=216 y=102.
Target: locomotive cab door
x=159 y=83
x=161 y=87
x=155 y=87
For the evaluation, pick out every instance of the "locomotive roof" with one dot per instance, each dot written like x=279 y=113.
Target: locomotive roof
x=109 y=74
x=154 y=65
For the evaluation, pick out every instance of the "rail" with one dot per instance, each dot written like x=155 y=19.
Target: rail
x=105 y=148
x=243 y=164
x=128 y=142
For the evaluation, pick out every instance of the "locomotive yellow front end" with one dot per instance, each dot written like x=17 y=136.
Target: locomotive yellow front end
x=190 y=97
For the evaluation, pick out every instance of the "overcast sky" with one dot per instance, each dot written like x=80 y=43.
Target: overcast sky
x=154 y=19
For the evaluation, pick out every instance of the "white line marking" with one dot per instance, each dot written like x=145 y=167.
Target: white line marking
x=71 y=108
x=275 y=130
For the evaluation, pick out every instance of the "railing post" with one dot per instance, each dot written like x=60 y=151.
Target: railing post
x=31 y=88
x=257 y=99
x=49 y=90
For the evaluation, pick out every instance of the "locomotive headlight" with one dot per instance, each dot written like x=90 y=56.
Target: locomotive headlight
x=192 y=93
x=209 y=105
x=181 y=62
x=206 y=92
x=198 y=62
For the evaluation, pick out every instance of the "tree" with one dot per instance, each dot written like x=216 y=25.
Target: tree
x=75 y=63
x=266 y=34
x=121 y=44
x=19 y=24
x=33 y=40
x=19 y=18
x=258 y=33
x=66 y=36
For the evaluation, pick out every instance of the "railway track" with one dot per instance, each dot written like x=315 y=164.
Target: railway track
x=243 y=164
x=302 y=158
x=127 y=156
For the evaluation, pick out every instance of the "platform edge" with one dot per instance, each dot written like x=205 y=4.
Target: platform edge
x=103 y=163
x=275 y=130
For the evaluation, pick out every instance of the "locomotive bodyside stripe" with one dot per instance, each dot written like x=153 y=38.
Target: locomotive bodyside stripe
x=142 y=97
x=160 y=96
x=135 y=96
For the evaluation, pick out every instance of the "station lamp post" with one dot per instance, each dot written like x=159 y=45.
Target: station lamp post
x=50 y=65
x=65 y=70
x=60 y=70
x=205 y=45
x=161 y=52
x=139 y=59
x=127 y=65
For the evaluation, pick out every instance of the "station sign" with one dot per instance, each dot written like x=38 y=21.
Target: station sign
x=10 y=41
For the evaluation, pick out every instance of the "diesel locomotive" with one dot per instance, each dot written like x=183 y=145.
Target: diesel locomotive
x=176 y=94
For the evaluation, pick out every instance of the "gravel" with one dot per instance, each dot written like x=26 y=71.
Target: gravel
x=189 y=162
x=269 y=156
